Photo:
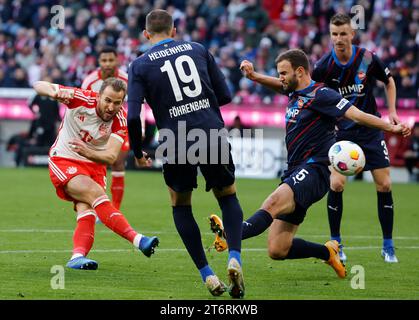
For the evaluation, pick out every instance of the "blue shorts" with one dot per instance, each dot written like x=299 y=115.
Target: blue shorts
x=310 y=183
x=375 y=149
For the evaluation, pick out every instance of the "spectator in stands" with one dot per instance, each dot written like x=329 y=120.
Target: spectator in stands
x=411 y=156
x=408 y=75
x=241 y=25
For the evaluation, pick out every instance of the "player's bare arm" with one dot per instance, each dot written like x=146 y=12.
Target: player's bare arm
x=369 y=120
x=249 y=72
x=107 y=156
x=52 y=90
x=391 y=101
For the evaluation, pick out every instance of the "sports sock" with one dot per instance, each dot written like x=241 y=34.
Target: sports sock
x=84 y=234
x=113 y=218
x=191 y=236
x=235 y=254
x=387 y=243
x=232 y=220
x=334 y=212
x=385 y=213
x=205 y=272
x=76 y=255
x=301 y=249
x=117 y=188
x=256 y=224
x=137 y=240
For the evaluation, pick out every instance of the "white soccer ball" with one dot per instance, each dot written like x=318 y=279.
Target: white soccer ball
x=347 y=158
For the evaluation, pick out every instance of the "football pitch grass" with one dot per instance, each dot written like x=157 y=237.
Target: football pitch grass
x=36 y=234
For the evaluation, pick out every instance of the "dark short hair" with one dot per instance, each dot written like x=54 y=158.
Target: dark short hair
x=296 y=57
x=116 y=84
x=159 y=21
x=108 y=49
x=340 y=19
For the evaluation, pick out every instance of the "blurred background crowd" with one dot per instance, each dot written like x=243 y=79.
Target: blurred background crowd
x=257 y=30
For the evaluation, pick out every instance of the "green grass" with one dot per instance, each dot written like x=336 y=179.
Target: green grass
x=36 y=234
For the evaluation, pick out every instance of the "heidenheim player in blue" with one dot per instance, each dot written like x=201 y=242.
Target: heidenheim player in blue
x=184 y=88
x=353 y=71
x=310 y=131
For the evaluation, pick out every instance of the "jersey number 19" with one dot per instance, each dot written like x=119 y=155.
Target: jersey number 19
x=185 y=78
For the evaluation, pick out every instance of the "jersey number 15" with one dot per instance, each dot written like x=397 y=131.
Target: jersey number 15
x=185 y=78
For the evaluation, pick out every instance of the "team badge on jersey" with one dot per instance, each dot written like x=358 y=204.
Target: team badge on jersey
x=71 y=170
x=361 y=75
x=103 y=129
x=300 y=102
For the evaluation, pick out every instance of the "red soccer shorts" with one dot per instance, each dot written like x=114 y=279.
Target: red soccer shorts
x=62 y=170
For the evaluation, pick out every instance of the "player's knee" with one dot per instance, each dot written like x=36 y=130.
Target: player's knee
x=337 y=185
x=276 y=205
x=278 y=253
x=271 y=205
x=384 y=186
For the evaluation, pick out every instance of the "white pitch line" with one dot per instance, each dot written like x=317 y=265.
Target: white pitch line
x=175 y=250
x=205 y=233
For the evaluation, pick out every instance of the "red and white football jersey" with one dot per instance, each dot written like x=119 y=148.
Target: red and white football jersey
x=81 y=121
x=94 y=80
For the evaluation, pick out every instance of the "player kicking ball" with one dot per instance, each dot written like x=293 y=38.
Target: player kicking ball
x=90 y=138
x=310 y=132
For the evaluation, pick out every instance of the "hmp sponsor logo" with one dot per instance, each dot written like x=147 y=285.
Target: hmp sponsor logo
x=292 y=113
x=355 y=88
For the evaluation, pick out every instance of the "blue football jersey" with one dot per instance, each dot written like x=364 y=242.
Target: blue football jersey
x=354 y=81
x=180 y=81
x=310 y=123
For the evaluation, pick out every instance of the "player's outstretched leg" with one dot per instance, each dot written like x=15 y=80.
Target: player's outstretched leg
x=84 y=189
x=283 y=246
x=191 y=236
x=115 y=220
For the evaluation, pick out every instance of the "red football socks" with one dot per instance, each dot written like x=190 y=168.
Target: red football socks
x=113 y=218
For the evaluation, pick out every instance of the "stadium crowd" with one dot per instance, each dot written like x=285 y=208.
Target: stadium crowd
x=31 y=49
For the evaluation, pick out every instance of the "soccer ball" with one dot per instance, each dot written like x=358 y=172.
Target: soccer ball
x=347 y=158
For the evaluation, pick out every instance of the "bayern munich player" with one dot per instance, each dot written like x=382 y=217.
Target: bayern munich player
x=90 y=137
x=108 y=67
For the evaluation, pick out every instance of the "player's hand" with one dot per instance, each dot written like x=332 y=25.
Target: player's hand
x=402 y=129
x=64 y=95
x=247 y=69
x=144 y=162
x=393 y=118
x=78 y=146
